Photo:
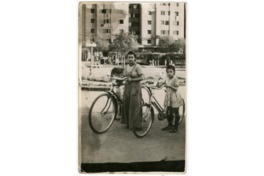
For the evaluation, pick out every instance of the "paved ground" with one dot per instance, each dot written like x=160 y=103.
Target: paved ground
x=120 y=145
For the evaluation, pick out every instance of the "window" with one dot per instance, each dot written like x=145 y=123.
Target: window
x=177 y=4
x=175 y=32
x=133 y=15
x=149 y=41
x=164 y=32
x=121 y=21
x=149 y=12
x=92 y=10
x=168 y=12
x=106 y=11
x=134 y=6
x=149 y=31
x=149 y=22
x=176 y=23
x=106 y=21
x=167 y=22
x=106 y=30
x=92 y=20
x=176 y=13
x=135 y=24
x=162 y=12
x=92 y=30
x=121 y=31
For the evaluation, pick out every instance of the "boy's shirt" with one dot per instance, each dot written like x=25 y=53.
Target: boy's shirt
x=172 y=98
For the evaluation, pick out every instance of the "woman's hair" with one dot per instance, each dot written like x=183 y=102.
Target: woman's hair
x=131 y=52
x=171 y=67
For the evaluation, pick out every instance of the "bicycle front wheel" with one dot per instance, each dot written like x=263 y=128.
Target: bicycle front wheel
x=142 y=120
x=102 y=113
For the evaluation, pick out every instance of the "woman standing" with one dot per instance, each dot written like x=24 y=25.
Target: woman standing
x=132 y=92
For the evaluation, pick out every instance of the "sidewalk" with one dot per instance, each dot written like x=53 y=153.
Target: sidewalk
x=120 y=145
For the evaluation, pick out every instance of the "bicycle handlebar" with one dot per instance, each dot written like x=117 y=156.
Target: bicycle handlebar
x=154 y=87
x=118 y=78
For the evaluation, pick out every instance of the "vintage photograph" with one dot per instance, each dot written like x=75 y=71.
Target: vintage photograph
x=132 y=87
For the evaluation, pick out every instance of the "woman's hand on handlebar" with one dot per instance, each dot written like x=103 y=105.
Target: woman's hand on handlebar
x=119 y=78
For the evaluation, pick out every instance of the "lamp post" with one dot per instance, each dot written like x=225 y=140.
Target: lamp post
x=91 y=45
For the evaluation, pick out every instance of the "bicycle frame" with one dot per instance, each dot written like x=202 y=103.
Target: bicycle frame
x=113 y=94
x=153 y=101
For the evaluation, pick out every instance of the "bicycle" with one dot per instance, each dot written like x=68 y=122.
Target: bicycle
x=146 y=112
x=105 y=108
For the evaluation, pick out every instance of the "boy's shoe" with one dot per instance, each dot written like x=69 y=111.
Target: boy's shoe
x=173 y=130
x=166 y=128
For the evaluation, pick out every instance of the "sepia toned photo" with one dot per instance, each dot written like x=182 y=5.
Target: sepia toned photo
x=132 y=87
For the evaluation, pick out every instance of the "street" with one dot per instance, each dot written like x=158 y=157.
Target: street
x=120 y=145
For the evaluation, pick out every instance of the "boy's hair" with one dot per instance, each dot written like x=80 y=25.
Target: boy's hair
x=171 y=67
x=131 y=52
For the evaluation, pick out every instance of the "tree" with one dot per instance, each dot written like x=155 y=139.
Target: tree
x=167 y=45
x=123 y=43
x=102 y=45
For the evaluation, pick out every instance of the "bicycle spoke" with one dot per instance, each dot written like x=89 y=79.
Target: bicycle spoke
x=102 y=113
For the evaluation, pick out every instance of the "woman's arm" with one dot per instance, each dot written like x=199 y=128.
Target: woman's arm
x=175 y=88
x=140 y=78
x=140 y=75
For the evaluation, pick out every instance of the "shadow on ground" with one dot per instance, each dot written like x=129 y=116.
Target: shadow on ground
x=119 y=144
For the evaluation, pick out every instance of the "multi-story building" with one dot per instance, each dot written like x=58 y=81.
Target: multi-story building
x=160 y=20
x=148 y=21
x=135 y=20
x=105 y=20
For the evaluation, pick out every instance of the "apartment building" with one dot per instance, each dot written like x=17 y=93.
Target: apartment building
x=160 y=20
x=105 y=20
x=148 y=21
x=135 y=20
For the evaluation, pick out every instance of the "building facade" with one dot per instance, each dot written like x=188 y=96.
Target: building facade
x=105 y=20
x=147 y=21
x=162 y=20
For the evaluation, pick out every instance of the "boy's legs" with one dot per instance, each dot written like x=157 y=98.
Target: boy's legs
x=169 y=118
x=176 y=115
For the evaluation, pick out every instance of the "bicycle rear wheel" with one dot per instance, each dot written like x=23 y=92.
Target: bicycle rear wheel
x=102 y=113
x=182 y=111
x=142 y=120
